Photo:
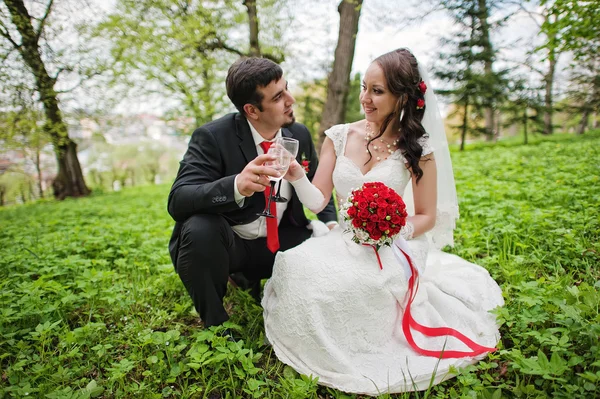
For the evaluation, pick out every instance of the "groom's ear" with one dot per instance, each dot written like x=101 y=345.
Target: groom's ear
x=251 y=111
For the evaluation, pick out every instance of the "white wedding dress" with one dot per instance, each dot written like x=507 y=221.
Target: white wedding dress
x=330 y=312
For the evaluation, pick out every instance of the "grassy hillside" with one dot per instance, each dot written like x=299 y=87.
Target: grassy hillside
x=91 y=306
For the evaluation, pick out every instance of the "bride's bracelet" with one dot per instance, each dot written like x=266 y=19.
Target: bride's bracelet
x=407 y=231
x=309 y=195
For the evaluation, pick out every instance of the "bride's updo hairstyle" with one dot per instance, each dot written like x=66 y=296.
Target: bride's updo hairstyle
x=402 y=76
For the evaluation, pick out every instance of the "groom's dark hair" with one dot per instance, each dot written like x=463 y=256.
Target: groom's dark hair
x=244 y=78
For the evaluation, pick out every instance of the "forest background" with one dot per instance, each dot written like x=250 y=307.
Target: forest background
x=103 y=94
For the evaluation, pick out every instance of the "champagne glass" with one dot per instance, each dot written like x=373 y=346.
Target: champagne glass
x=291 y=145
x=281 y=163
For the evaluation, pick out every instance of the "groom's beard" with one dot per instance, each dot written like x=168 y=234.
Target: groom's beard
x=290 y=122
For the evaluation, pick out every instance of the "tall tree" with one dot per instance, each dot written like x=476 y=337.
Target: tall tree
x=465 y=69
x=253 y=27
x=339 y=78
x=475 y=85
x=28 y=41
x=545 y=16
x=488 y=56
x=523 y=107
x=180 y=49
x=579 y=25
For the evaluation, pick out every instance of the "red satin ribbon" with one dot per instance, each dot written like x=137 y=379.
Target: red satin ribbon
x=408 y=322
x=376 y=253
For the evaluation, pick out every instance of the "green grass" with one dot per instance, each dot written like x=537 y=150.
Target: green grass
x=91 y=306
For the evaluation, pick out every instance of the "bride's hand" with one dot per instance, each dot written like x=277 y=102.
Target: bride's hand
x=295 y=172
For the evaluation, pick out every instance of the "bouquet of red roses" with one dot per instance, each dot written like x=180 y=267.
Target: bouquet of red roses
x=375 y=214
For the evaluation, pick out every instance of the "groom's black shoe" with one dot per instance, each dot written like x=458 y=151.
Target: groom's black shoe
x=227 y=333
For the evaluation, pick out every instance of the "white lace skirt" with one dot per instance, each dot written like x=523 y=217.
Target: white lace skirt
x=331 y=312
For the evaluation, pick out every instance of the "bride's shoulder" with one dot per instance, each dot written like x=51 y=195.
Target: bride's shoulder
x=356 y=127
x=337 y=132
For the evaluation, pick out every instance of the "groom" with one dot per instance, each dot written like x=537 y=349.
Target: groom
x=220 y=189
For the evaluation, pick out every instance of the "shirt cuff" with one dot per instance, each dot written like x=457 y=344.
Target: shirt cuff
x=239 y=198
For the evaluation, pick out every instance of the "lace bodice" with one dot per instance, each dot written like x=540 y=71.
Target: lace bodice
x=347 y=176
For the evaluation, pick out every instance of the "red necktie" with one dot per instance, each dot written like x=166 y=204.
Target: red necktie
x=272 y=234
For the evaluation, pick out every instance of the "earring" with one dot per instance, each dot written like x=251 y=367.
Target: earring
x=401 y=115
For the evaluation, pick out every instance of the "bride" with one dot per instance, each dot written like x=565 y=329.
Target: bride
x=329 y=310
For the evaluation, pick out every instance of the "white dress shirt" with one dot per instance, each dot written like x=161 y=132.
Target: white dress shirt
x=258 y=228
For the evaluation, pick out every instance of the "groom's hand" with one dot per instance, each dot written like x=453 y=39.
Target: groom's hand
x=255 y=176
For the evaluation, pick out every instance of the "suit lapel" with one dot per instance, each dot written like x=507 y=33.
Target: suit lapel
x=247 y=144
x=285 y=132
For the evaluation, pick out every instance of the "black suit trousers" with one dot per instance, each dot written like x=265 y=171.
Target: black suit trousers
x=209 y=251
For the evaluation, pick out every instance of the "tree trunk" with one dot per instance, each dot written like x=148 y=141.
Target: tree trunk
x=339 y=78
x=253 y=23
x=38 y=168
x=549 y=82
x=488 y=111
x=525 y=125
x=585 y=118
x=69 y=180
x=2 y=192
x=463 y=135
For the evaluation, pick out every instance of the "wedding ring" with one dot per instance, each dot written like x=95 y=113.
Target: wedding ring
x=257 y=178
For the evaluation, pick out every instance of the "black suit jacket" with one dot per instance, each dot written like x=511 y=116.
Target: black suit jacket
x=217 y=152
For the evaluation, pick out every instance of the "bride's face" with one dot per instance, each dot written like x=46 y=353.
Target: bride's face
x=376 y=99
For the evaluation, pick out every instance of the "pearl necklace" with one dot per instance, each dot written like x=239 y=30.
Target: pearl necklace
x=388 y=148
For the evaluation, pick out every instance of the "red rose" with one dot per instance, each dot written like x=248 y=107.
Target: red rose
x=374 y=218
x=376 y=235
x=396 y=219
x=373 y=205
x=422 y=87
x=356 y=223
x=371 y=227
x=402 y=211
x=420 y=103
x=381 y=213
x=383 y=226
x=352 y=211
x=362 y=205
x=364 y=214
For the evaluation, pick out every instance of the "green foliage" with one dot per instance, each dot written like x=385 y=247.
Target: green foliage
x=575 y=28
x=353 y=107
x=182 y=50
x=176 y=46
x=310 y=100
x=578 y=25
x=91 y=306
x=467 y=67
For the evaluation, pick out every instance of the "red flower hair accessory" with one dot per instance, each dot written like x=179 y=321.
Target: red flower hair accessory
x=423 y=87
x=420 y=103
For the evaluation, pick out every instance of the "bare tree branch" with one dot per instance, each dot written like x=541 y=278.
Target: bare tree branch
x=217 y=43
x=61 y=70
x=40 y=30
x=4 y=33
x=81 y=81
x=408 y=21
x=531 y=14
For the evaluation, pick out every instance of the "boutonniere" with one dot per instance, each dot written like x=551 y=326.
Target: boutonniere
x=305 y=163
